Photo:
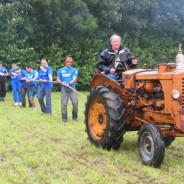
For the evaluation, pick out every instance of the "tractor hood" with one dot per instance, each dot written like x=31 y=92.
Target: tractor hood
x=164 y=72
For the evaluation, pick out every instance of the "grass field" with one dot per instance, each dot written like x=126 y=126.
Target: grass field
x=36 y=148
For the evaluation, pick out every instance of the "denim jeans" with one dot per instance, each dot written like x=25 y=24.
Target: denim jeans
x=112 y=76
x=65 y=95
x=34 y=90
x=45 y=107
x=16 y=91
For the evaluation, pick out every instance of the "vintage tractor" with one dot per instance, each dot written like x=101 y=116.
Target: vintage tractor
x=148 y=101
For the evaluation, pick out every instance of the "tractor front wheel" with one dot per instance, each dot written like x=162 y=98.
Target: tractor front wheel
x=151 y=145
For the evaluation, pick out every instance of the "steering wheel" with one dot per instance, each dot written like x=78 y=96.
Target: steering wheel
x=125 y=61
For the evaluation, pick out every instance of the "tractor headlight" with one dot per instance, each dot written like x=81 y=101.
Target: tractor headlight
x=175 y=94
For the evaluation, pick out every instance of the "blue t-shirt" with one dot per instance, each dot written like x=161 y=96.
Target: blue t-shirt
x=22 y=74
x=13 y=77
x=31 y=75
x=3 y=71
x=44 y=74
x=66 y=75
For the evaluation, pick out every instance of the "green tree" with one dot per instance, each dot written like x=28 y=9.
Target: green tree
x=31 y=29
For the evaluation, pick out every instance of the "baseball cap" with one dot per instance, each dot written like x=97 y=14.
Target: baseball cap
x=69 y=59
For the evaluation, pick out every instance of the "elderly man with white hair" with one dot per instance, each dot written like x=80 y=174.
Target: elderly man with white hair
x=106 y=60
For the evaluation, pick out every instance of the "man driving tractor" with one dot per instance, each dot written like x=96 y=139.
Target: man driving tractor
x=108 y=62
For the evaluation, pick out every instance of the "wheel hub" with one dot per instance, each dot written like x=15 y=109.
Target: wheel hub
x=97 y=119
x=100 y=118
x=147 y=146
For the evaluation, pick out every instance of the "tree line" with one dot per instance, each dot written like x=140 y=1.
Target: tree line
x=54 y=29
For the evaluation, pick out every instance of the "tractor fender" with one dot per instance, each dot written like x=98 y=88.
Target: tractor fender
x=100 y=79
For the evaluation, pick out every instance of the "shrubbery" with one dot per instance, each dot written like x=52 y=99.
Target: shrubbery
x=31 y=30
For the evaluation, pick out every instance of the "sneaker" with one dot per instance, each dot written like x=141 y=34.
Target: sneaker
x=20 y=104
x=64 y=120
x=75 y=119
x=15 y=104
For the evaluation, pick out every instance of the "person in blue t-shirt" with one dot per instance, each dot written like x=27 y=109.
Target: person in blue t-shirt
x=45 y=76
x=16 y=76
x=24 y=88
x=32 y=80
x=67 y=77
x=3 y=75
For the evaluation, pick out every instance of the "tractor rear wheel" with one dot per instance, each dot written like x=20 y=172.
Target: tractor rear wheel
x=151 y=145
x=105 y=118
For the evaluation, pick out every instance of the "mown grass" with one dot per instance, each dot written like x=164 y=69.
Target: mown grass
x=36 y=148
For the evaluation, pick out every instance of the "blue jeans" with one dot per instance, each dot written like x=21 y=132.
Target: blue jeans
x=45 y=92
x=34 y=90
x=16 y=91
x=111 y=76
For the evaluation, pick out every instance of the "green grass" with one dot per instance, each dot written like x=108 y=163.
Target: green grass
x=41 y=149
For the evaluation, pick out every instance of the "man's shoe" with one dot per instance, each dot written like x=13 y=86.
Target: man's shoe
x=64 y=120
x=16 y=104
x=75 y=119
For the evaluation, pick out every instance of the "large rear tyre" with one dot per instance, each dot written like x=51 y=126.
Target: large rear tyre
x=104 y=118
x=151 y=145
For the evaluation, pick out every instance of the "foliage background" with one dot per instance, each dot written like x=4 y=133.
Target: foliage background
x=32 y=29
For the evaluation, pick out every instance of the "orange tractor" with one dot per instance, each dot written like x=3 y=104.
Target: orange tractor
x=148 y=101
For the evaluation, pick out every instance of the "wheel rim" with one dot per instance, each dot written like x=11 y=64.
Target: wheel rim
x=97 y=119
x=147 y=146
